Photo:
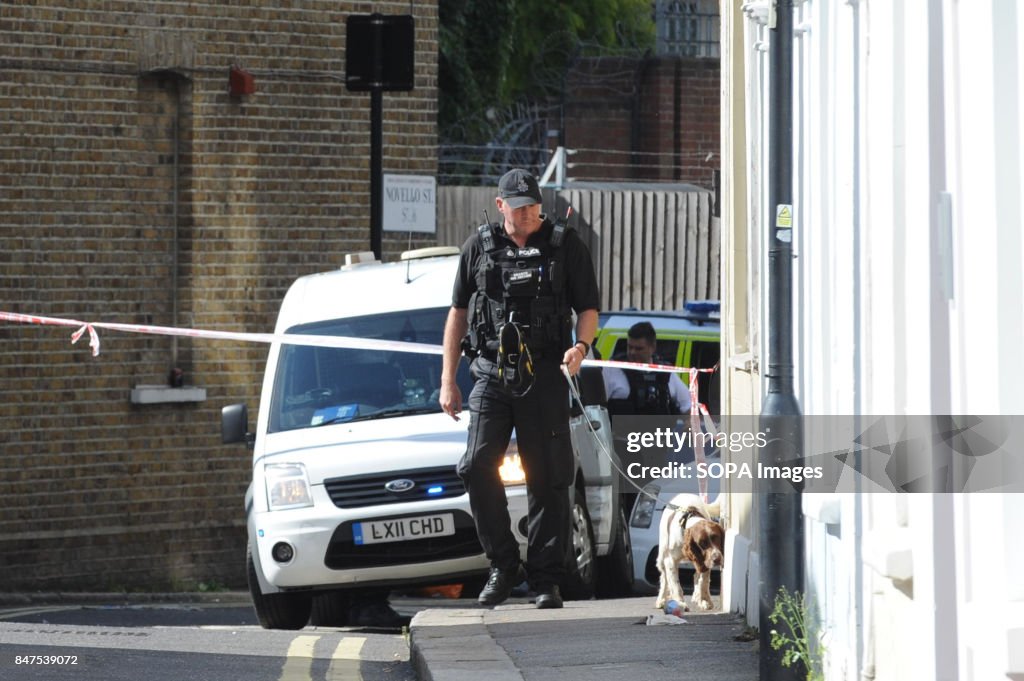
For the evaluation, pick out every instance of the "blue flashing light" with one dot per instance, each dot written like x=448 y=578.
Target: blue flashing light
x=435 y=490
x=703 y=306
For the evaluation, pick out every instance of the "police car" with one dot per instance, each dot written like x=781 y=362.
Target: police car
x=353 y=479
x=690 y=337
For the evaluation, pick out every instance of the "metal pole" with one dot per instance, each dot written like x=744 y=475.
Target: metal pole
x=780 y=523
x=376 y=172
x=376 y=137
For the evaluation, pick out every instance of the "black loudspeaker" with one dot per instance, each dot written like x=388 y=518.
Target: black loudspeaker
x=379 y=52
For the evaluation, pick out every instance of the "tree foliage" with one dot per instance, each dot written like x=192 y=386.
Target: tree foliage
x=494 y=53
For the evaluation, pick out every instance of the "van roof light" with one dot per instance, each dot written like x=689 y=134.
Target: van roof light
x=360 y=258
x=431 y=252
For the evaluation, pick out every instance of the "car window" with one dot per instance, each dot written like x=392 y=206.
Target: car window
x=705 y=355
x=317 y=386
x=667 y=351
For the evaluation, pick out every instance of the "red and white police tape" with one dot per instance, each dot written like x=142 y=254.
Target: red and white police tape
x=696 y=409
x=287 y=338
x=293 y=339
x=82 y=328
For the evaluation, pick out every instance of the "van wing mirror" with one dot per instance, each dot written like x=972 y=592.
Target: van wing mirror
x=591 y=381
x=234 y=424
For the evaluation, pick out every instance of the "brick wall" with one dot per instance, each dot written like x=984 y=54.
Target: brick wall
x=697 y=124
x=124 y=162
x=655 y=118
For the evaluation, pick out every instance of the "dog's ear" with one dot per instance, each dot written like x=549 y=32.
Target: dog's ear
x=691 y=547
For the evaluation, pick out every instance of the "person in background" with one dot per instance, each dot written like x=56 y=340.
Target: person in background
x=644 y=392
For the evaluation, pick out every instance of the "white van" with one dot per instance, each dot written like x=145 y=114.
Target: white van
x=354 y=481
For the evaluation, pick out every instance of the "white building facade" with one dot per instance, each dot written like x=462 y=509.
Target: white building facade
x=908 y=299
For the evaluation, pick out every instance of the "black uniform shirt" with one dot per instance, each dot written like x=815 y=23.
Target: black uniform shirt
x=581 y=281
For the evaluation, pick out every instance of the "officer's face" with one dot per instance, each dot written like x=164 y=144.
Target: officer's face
x=525 y=220
x=639 y=350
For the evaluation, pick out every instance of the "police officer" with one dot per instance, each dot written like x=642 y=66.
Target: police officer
x=518 y=282
x=644 y=392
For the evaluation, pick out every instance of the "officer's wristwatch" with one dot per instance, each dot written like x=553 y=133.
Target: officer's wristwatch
x=586 y=346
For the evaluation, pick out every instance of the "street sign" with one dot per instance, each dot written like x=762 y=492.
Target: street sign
x=410 y=203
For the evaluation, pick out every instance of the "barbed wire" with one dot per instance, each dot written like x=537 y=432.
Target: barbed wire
x=658 y=154
x=573 y=151
x=472 y=165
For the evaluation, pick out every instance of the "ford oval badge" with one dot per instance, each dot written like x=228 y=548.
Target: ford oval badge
x=400 y=485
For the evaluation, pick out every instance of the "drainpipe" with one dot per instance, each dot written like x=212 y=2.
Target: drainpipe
x=780 y=522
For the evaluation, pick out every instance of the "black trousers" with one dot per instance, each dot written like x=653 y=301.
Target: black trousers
x=541 y=422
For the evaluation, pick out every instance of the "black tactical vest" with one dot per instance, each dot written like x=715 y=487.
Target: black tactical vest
x=648 y=390
x=526 y=286
x=648 y=395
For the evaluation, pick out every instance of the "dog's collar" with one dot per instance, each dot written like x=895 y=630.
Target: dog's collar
x=690 y=512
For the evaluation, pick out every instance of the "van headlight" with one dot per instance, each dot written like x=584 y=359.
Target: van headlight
x=643 y=511
x=287 y=486
x=511 y=469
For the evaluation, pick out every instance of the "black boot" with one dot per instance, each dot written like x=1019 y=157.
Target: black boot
x=499 y=585
x=548 y=596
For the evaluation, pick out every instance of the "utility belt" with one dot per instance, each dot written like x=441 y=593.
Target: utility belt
x=540 y=355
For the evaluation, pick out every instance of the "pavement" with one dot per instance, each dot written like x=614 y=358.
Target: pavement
x=600 y=640
x=597 y=640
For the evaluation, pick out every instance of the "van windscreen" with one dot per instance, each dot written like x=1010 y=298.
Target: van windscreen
x=317 y=386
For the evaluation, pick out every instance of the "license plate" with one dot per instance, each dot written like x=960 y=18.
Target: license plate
x=403 y=529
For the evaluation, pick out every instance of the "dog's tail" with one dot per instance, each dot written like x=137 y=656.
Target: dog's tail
x=714 y=508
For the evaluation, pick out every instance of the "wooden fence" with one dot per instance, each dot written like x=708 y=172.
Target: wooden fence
x=652 y=250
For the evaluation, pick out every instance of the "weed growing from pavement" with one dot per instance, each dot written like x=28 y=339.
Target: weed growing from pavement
x=795 y=613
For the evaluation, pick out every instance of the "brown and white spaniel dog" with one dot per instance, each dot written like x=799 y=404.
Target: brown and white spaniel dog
x=688 y=532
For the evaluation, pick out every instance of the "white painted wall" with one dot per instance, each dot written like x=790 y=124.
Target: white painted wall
x=908 y=131
x=984 y=78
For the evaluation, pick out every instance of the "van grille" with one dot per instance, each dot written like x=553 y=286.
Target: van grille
x=369 y=490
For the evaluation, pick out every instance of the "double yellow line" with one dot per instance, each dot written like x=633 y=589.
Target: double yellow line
x=298 y=665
